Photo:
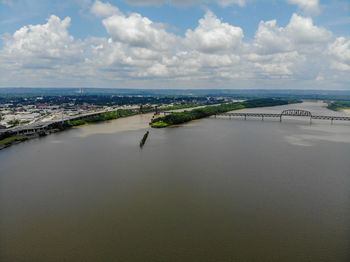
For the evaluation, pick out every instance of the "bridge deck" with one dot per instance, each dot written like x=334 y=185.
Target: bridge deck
x=262 y=115
x=250 y=114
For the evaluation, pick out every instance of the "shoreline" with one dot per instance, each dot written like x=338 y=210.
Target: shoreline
x=346 y=111
x=55 y=130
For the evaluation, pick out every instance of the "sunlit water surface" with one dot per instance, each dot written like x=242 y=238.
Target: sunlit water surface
x=211 y=190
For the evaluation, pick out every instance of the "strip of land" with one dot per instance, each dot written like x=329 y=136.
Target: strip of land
x=339 y=105
x=346 y=111
x=101 y=117
x=11 y=140
x=176 y=107
x=10 y=137
x=183 y=117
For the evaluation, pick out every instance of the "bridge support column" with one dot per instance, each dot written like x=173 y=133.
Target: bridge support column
x=245 y=117
x=332 y=121
x=262 y=118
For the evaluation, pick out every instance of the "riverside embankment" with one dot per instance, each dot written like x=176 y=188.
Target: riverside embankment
x=16 y=135
x=346 y=111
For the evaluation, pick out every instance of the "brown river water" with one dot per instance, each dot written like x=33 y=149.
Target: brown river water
x=210 y=190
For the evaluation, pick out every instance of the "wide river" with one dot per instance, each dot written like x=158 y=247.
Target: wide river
x=213 y=190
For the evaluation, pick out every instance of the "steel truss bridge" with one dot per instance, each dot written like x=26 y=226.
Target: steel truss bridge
x=288 y=112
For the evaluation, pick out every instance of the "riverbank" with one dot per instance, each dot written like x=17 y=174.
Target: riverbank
x=339 y=105
x=346 y=111
x=102 y=117
x=183 y=117
x=176 y=107
x=11 y=141
x=7 y=141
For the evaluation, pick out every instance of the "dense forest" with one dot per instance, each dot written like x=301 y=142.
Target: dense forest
x=179 y=118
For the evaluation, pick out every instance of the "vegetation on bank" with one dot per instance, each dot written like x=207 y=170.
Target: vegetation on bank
x=11 y=140
x=158 y=124
x=6 y=139
x=183 y=117
x=102 y=117
x=339 y=105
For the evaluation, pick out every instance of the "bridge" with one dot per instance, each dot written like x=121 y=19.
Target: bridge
x=288 y=112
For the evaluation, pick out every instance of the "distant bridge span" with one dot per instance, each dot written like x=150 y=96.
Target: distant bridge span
x=296 y=112
x=288 y=112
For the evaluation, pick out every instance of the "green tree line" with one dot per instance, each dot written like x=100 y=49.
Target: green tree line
x=183 y=117
x=102 y=117
x=181 y=106
x=339 y=105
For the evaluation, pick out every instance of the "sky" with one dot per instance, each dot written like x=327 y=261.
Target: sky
x=187 y=44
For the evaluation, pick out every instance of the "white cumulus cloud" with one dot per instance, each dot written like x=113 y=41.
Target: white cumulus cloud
x=300 y=31
x=138 y=48
x=340 y=51
x=212 y=35
x=101 y=9
x=310 y=6
x=138 y=31
x=186 y=2
x=44 y=45
x=305 y=32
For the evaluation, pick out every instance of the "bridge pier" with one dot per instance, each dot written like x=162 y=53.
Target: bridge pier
x=245 y=117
